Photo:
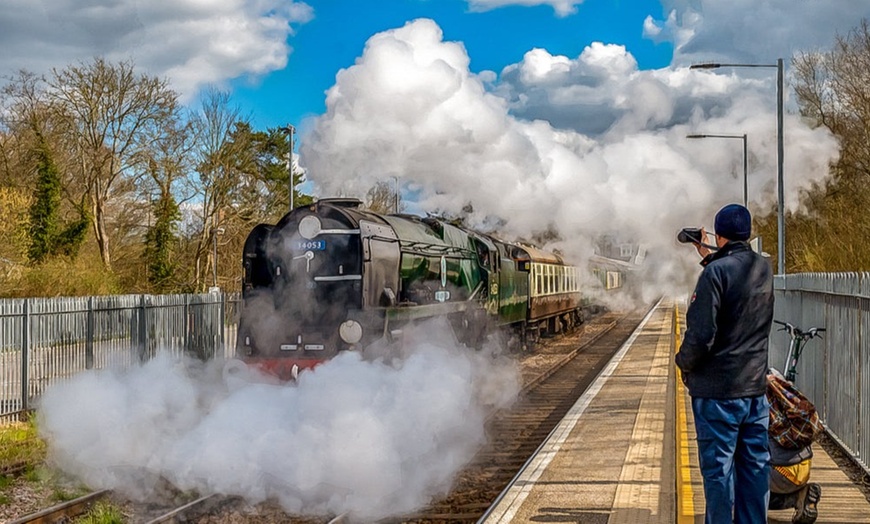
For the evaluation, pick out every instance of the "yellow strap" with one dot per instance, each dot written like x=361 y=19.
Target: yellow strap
x=797 y=474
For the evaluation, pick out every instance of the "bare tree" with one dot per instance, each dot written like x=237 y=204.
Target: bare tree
x=385 y=198
x=107 y=108
x=217 y=174
x=24 y=116
x=831 y=89
x=166 y=162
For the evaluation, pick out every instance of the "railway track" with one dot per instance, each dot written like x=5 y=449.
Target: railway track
x=64 y=511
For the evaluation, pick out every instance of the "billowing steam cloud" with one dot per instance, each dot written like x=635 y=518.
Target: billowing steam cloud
x=362 y=436
x=579 y=146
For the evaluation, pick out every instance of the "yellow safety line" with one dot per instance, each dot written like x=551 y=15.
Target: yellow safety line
x=685 y=495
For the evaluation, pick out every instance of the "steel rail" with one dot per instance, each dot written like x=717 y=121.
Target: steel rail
x=64 y=511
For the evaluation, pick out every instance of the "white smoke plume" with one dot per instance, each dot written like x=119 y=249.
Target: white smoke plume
x=580 y=146
x=367 y=437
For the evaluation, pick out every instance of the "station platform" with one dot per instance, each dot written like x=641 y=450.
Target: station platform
x=626 y=452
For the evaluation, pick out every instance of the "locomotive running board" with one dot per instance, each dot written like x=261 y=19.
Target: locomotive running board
x=429 y=310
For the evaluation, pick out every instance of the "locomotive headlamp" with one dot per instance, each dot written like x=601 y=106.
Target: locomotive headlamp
x=309 y=227
x=350 y=331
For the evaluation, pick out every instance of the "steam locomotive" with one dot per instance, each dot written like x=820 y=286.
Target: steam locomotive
x=333 y=277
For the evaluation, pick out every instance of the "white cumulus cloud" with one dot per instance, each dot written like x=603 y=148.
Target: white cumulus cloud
x=752 y=30
x=562 y=7
x=192 y=42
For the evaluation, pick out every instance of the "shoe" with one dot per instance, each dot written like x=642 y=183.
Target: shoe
x=807 y=510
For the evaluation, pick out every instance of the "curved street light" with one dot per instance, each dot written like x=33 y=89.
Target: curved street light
x=745 y=161
x=780 y=244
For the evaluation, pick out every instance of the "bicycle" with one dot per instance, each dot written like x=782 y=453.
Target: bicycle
x=799 y=339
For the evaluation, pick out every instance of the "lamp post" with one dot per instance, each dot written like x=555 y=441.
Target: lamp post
x=290 y=130
x=780 y=245
x=396 y=199
x=745 y=162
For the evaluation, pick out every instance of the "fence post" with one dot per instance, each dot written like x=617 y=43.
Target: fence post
x=186 y=322
x=89 y=336
x=25 y=347
x=143 y=332
x=222 y=315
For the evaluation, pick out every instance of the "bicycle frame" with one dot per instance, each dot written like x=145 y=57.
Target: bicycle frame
x=798 y=342
x=792 y=357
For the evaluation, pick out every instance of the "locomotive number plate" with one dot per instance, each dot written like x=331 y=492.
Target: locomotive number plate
x=310 y=245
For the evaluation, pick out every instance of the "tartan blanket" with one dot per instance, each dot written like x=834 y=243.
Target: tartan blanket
x=794 y=422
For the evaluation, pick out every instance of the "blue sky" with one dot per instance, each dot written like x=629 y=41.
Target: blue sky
x=336 y=35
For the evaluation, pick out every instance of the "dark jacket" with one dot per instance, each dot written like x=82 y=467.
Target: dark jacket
x=724 y=351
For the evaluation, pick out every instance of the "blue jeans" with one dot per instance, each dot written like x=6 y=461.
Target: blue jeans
x=735 y=461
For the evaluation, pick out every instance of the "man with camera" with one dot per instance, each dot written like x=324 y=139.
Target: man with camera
x=723 y=359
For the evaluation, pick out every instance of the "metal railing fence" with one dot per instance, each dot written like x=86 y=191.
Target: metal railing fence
x=43 y=340
x=834 y=371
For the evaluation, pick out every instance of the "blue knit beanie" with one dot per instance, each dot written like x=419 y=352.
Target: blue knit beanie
x=734 y=222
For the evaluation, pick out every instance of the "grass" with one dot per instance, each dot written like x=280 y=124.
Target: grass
x=20 y=444
x=63 y=494
x=102 y=513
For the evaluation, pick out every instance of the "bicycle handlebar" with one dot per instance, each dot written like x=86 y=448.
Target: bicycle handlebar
x=795 y=331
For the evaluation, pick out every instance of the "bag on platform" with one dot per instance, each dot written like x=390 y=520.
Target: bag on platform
x=794 y=422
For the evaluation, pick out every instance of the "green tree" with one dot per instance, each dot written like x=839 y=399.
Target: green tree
x=266 y=173
x=44 y=209
x=46 y=236
x=241 y=179
x=159 y=242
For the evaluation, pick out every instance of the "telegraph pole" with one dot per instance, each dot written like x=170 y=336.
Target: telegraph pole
x=290 y=130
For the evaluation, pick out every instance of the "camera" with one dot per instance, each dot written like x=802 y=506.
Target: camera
x=690 y=235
